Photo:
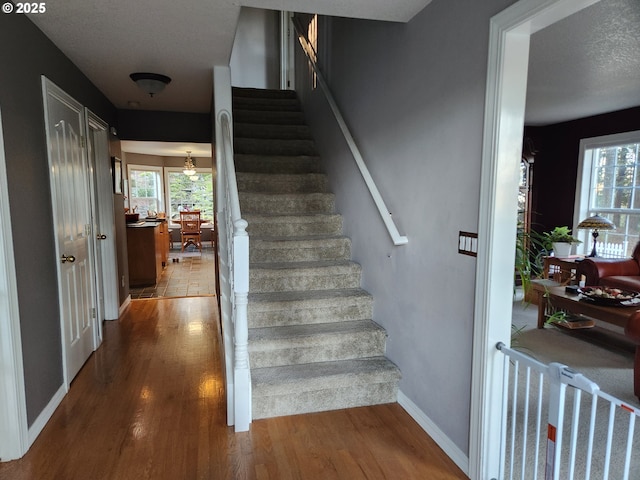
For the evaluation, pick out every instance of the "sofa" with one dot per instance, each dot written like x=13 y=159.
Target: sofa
x=612 y=272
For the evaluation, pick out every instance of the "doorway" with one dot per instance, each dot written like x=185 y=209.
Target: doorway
x=502 y=147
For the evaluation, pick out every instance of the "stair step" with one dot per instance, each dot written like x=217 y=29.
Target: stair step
x=281 y=183
x=266 y=104
x=268 y=117
x=282 y=132
x=262 y=93
x=293 y=308
x=298 y=276
x=265 y=225
x=286 y=203
x=290 y=164
x=296 y=249
x=320 y=342
x=268 y=146
x=305 y=388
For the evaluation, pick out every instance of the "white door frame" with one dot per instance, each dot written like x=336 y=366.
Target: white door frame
x=502 y=148
x=13 y=407
x=287 y=52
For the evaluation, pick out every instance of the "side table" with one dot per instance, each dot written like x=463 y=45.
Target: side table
x=561 y=270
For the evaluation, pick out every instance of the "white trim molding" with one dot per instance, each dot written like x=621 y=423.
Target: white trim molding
x=46 y=414
x=506 y=89
x=437 y=435
x=13 y=407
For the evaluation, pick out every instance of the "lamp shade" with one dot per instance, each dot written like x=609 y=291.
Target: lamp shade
x=597 y=222
x=150 y=83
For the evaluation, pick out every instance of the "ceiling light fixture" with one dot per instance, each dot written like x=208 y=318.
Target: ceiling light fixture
x=189 y=168
x=150 y=83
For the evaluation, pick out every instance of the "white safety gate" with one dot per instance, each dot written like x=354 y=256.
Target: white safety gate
x=588 y=433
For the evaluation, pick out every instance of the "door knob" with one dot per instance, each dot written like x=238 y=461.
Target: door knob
x=68 y=258
x=101 y=237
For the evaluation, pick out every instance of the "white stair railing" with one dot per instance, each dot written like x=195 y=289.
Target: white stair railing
x=311 y=54
x=233 y=248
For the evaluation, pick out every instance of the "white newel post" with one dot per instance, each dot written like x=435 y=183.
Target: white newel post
x=241 y=293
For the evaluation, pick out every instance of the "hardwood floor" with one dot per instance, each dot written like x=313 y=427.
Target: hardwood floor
x=149 y=404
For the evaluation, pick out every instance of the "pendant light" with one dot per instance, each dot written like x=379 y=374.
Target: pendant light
x=189 y=168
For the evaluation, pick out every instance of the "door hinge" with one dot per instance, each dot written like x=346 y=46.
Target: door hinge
x=93 y=312
x=87 y=229
x=83 y=141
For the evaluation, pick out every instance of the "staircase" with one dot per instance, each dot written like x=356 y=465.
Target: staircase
x=312 y=343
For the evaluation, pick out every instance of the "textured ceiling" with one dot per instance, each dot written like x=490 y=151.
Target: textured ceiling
x=586 y=64
x=108 y=40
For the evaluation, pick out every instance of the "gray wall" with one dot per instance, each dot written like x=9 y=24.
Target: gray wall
x=256 y=49
x=25 y=54
x=413 y=95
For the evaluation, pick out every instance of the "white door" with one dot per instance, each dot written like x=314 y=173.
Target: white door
x=70 y=193
x=103 y=218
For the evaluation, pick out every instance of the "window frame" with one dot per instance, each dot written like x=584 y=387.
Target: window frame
x=199 y=170
x=584 y=180
x=147 y=168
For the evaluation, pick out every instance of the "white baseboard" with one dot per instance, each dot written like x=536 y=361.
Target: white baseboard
x=438 y=436
x=124 y=305
x=45 y=415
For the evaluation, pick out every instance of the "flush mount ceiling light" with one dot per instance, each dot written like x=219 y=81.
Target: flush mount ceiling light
x=150 y=83
x=189 y=168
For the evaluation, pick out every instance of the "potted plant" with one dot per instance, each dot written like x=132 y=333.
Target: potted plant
x=530 y=250
x=560 y=240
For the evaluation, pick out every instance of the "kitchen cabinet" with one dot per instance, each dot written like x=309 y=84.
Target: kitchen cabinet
x=147 y=251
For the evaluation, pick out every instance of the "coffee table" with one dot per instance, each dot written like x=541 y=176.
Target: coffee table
x=625 y=317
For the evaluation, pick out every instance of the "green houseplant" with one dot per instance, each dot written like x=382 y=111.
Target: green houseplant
x=560 y=241
x=530 y=249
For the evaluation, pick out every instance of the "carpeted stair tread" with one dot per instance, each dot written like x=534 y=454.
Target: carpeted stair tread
x=295 y=276
x=298 y=389
x=321 y=342
x=275 y=131
x=268 y=117
x=286 y=203
x=305 y=331
x=250 y=92
x=270 y=309
x=281 y=182
x=270 y=146
x=276 y=163
x=266 y=104
x=316 y=376
x=298 y=249
x=327 y=264
x=293 y=224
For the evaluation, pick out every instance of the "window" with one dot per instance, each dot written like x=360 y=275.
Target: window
x=312 y=35
x=145 y=188
x=610 y=187
x=189 y=193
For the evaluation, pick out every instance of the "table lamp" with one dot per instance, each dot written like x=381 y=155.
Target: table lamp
x=596 y=222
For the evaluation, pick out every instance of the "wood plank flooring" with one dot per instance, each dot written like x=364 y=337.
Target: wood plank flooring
x=149 y=404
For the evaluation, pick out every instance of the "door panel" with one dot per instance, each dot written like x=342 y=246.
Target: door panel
x=72 y=219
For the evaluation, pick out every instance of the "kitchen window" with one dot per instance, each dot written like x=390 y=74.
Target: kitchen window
x=145 y=189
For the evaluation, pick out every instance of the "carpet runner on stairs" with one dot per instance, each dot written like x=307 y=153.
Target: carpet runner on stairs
x=312 y=343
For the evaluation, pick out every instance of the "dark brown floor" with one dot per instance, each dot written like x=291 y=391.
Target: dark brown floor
x=149 y=404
